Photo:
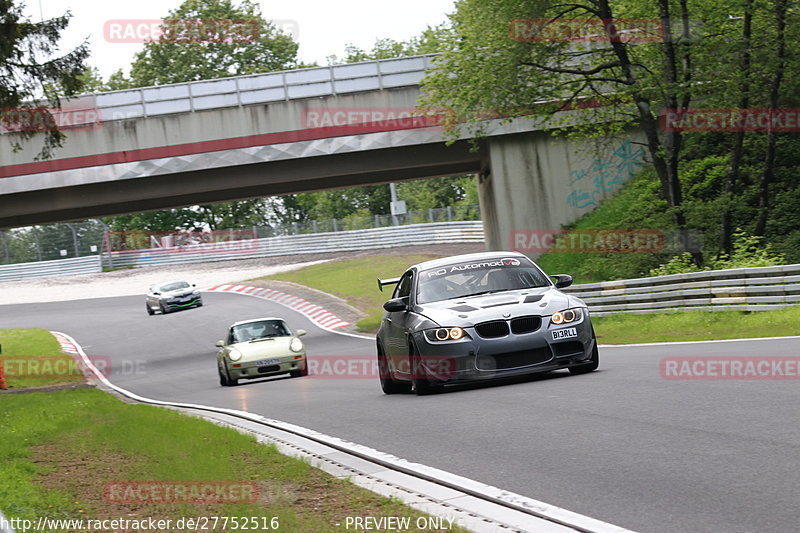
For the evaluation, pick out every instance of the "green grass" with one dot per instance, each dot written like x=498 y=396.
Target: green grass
x=696 y=326
x=32 y=357
x=354 y=281
x=59 y=450
x=635 y=206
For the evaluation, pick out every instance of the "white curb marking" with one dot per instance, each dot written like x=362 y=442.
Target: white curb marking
x=309 y=310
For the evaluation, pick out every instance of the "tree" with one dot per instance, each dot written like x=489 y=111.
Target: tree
x=183 y=56
x=430 y=41
x=179 y=57
x=625 y=80
x=31 y=72
x=775 y=86
x=374 y=199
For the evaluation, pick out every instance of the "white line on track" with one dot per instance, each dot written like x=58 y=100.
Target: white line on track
x=674 y=343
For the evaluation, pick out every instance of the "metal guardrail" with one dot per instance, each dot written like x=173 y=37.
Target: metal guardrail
x=46 y=269
x=340 y=241
x=253 y=89
x=740 y=289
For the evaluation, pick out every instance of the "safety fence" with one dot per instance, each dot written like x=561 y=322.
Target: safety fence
x=741 y=289
x=249 y=89
x=340 y=241
x=46 y=269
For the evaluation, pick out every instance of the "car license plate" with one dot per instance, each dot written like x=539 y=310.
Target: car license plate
x=265 y=362
x=564 y=333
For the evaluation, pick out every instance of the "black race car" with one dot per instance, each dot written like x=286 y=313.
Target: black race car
x=480 y=316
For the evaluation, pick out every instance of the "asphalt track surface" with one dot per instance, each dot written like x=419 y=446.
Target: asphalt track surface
x=621 y=444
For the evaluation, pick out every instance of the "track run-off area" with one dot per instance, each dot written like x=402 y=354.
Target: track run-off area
x=622 y=445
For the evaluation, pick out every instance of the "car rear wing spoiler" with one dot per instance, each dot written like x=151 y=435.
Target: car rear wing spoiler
x=383 y=282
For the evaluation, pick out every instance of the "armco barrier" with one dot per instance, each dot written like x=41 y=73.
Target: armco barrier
x=46 y=269
x=741 y=289
x=340 y=241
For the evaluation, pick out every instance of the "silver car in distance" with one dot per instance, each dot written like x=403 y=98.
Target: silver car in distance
x=171 y=296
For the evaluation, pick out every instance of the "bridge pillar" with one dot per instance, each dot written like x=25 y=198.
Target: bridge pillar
x=536 y=182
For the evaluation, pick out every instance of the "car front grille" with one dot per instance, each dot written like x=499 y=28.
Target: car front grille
x=494 y=329
x=270 y=368
x=518 y=359
x=525 y=324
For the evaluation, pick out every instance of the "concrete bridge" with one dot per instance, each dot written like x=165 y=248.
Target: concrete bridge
x=295 y=131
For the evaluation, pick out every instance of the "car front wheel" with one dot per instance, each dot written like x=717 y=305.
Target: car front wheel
x=223 y=377
x=591 y=366
x=149 y=310
x=419 y=379
x=388 y=384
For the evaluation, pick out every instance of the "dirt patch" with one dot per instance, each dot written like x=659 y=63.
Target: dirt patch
x=48 y=388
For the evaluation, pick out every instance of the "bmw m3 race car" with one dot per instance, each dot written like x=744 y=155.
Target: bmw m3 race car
x=259 y=348
x=171 y=296
x=480 y=316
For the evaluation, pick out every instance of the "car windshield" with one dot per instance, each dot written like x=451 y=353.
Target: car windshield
x=262 y=329
x=175 y=286
x=460 y=280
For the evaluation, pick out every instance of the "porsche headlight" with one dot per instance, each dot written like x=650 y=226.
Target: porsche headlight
x=566 y=316
x=296 y=345
x=234 y=354
x=445 y=334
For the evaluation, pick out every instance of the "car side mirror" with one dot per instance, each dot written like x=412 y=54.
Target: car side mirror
x=300 y=332
x=193 y=285
x=156 y=293
x=395 y=304
x=220 y=344
x=562 y=280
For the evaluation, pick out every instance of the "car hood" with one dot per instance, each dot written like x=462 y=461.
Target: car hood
x=465 y=312
x=273 y=347
x=178 y=293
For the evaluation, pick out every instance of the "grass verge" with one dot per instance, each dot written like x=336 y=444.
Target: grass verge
x=354 y=280
x=33 y=358
x=696 y=326
x=60 y=450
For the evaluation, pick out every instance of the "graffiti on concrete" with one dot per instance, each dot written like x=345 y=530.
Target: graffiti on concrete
x=590 y=185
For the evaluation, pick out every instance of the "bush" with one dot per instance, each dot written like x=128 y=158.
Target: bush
x=748 y=251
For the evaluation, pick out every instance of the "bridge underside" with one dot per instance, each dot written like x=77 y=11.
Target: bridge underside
x=239 y=182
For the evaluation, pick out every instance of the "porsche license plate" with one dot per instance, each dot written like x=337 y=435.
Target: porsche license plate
x=565 y=333
x=265 y=362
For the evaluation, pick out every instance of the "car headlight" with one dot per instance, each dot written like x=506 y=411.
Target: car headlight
x=296 y=345
x=234 y=354
x=566 y=316
x=196 y=293
x=445 y=334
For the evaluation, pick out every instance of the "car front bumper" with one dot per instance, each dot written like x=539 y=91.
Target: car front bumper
x=182 y=304
x=255 y=369
x=478 y=358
